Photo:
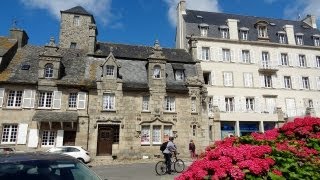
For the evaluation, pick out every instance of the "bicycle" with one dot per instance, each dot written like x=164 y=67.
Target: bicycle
x=178 y=165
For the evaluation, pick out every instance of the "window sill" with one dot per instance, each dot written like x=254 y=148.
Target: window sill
x=72 y=109
x=113 y=110
x=12 y=108
x=194 y=113
x=145 y=111
x=169 y=112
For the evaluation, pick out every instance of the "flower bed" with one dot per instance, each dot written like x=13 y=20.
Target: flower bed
x=289 y=152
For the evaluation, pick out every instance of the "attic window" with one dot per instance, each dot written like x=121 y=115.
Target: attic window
x=48 y=71
x=76 y=21
x=179 y=74
x=25 y=67
x=316 y=40
x=109 y=70
x=224 y=31
x=203 y=29
x=262 y=29
x=299 y=38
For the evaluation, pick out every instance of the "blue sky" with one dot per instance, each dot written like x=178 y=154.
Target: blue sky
x=137 y=22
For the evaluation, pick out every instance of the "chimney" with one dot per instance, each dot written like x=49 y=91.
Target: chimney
x=180 y=30
x=20 y=35
x=290 y=34
x=311 y=21
x=92 y=38
x=233 y=29
x=182 y=7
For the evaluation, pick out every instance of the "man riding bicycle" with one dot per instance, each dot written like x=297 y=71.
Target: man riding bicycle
x=171 y=148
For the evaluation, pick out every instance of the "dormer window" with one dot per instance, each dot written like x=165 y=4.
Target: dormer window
x=157 y=72
x=179 y=74
x=203 y=29
x=316 y=40
x=224 y=31
x=109 y=70
x=48 y=71
x=262 y=31
x=299 y=39
x=282 y=37
x=244 y=33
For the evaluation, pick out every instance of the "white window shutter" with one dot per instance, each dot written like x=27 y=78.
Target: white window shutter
x=57 y=99
x=59 y=141
x=22 y=133
x=215 y=101
x=213 y=78
x=300 y=82
x=245 y=79
x=243 y=104
x=225 y=81
x=318 y=82
x=33 y=138
x=257 y=105
x=252 y=57
x=222 y=104
x=199 y=53
x=82 y=97
x=262 y=81
x=220 y=54
x=232 y=56
x=231 y=79
x=294 y=83
x=240 y=56
x=312 y=83
x=309 y=61
x=274 y=82
x=237 y=102
x=1 y=96
x=291 y=59
x=212 y=52
x=279 y=58
x=28 y=98
x=281 y=81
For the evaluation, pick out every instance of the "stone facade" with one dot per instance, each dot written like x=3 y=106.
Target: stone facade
x=112 y=99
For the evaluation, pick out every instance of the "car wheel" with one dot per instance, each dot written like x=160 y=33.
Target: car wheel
x=82 y=160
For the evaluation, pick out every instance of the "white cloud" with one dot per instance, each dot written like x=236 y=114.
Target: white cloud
x=99 y=8
x=202 y=5
x=302 y=8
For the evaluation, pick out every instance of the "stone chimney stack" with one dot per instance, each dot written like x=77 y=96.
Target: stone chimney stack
x=20 y=35
x=92 y=38
x=233 y=29
x=290 y=34
x=311 y=21
x=180 y=30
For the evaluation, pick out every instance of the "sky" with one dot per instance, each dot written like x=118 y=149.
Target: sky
x=137 y=22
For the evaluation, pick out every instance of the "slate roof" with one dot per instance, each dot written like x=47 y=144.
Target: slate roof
x=55 y=116
x=214 y=20
x=6 y=44
x=80 y=70
x=77 y=10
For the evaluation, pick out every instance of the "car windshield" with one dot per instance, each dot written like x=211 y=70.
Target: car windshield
x=46 y=169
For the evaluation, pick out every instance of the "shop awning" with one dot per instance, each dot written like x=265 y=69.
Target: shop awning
x=49 y=116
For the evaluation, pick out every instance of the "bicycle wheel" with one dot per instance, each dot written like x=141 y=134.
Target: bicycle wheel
x=161 y=168
x=179 y=166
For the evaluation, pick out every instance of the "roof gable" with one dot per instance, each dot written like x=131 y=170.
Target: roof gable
x=77 y=10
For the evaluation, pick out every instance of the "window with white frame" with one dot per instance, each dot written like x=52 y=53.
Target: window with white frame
x=194 y=130
x=157 y=72
x=248 y=79
x=193 y=104
x=109 y=70
x=244 y=35
x=145 y=134
x=205 y=53
x=145 y=103
x=270 y=105
x=302 y=60
x=226 y=55
x=224 y=33
x=45 y=99
x=170 y=104
x=73 y=100
x=318 y=61
x=245 y=56
x=156 y=135
x=108 y=101
x=282 y=38
x=284 y=59
x=167 y=132
x=229 y=103
x=262 y=31
x=48 y=138
x=265 y=60
x=299 y=39
x=48 y=71
x=287 y=82
x=9 y=134
x=14 y=98
x=308 y=103
x=305 y=83
x=179 y=74
x=76 y=20
x=316 y=41
x=267 y=81
x=249 y=104
x=203 y=31
x=228 y=78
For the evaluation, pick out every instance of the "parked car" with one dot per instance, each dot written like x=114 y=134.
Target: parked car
x=5 y=149
x=75 y=151
x=43 y=165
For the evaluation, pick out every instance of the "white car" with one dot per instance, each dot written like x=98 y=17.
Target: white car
x=75 y=151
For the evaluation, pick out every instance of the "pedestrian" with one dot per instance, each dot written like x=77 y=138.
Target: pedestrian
x=170 y=149
x=192 y=149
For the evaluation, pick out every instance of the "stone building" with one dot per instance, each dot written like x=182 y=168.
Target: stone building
x=112 y=99
x=258 y=71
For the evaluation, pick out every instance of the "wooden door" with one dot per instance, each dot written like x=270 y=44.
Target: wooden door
x=105 y=140
x=69 y=138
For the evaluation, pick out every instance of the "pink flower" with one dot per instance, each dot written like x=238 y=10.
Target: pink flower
x=277 y=172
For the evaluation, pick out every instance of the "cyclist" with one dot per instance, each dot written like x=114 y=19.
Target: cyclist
x=171 y=148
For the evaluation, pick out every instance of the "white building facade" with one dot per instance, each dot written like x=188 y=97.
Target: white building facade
x=259 y=72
